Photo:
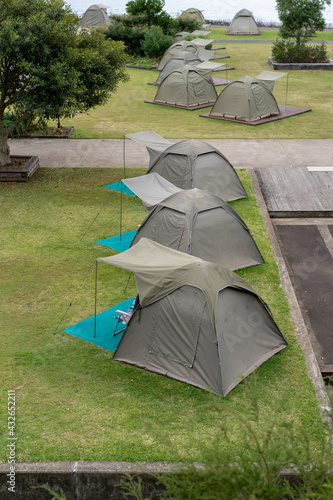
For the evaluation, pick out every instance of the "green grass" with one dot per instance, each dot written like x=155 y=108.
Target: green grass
x=73 y=401
x=126 y=112
x=219 y=34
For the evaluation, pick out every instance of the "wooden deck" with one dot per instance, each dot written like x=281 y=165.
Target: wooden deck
x=296 y=192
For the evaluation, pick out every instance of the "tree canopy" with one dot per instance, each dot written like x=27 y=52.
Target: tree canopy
x=301 y=18
x=48 y=68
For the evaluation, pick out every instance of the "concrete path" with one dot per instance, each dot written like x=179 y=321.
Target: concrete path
x=109 y=153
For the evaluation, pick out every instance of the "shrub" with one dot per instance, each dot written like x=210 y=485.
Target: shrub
x=286 y=51
x=156 y=42
x=128 y=30
x=8 y=119
x=187 y=23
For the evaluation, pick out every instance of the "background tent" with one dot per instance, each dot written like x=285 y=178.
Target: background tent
x=197 y=322
x=179 y=61
x=246 y=99
x=194 y=46
x=188 y=87
x=201 y=224
x=243 y=23
x=95 y=15
x=193 y=163
x=194 y=14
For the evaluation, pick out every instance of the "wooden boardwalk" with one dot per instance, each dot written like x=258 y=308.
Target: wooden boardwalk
x=296 y=192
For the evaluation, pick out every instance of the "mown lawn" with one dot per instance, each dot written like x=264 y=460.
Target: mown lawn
x=73 y=401
x=126 y=112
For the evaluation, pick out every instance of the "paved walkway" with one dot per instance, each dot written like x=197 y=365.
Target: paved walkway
x=109 y=153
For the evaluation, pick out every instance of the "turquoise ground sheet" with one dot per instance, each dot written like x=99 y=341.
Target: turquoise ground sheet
x=116 y=186
x=105 y=325
x=120 y=242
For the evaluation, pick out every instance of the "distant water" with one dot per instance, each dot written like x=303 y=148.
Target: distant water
x=214 y=10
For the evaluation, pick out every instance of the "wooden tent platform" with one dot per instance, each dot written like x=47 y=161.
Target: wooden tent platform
x=286 y=112
x=181 y=106
x=296 y=192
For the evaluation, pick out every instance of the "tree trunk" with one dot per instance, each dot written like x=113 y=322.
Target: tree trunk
x=4 y=148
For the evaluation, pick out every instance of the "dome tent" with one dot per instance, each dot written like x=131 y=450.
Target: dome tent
x=194 y=13
x=193 y=163
x=195 y=46
x=95 y=15
x=243 y=23
x=197 y=322
x=201 y=224
x=188 y=87
x=246 y=99
x=179 y=61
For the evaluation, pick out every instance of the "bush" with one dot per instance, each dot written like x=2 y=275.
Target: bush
x=128 y=30
x=155 y=42
x=290 y=52
x=20 y=128
x=187 y=23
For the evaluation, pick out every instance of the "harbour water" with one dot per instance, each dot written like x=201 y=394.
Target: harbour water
x=264 y=11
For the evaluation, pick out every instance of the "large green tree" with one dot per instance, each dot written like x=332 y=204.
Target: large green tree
x=301 y=18
x=48 y=68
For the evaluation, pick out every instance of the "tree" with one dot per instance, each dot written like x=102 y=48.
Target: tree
x=301 y=18
x=47 y=68
x=151 y=8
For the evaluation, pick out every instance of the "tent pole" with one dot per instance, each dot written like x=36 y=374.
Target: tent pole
x=95 y=322
x=285 y=107
x=121 y=208
x=124 y=149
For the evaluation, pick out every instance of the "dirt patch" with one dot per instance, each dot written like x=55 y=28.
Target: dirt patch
x=16 y=161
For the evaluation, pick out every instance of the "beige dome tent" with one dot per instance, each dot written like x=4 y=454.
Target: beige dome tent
x=188 y=87
x=201 y=224
x=196 y=46
x=197 y=322
x=246 y=99
x=95 y=15
x=243 y=23
x=193 y=163
x=194 y=14
x=179 y=61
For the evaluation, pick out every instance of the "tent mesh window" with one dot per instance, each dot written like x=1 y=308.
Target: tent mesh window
x=180 y=314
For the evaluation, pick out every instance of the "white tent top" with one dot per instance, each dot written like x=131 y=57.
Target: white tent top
x=271 y=75
x=210 y=65
x=151 y=188
x=201 y=42
x=152 y=141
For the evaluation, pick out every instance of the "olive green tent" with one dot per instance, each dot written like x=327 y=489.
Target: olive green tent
x=188 y=87
x=193 y=163
x=194 y=14
x=197 y=322
x=179 y=61
x=246 y=99
x=196 y=46
x=243 y=23
x=201 y=224
x=95 y=15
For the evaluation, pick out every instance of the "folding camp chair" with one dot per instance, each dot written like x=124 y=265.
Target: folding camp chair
x=124 y=317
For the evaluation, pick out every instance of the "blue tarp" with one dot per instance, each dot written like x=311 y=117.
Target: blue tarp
x=119 y=242
x=105 y=325
x=116 y=186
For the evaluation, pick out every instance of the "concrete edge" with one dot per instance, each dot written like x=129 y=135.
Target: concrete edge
x=300 y=66
x=295 y=312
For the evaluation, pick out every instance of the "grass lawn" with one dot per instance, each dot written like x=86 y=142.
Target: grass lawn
x=73 y=401
x=126 y=112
